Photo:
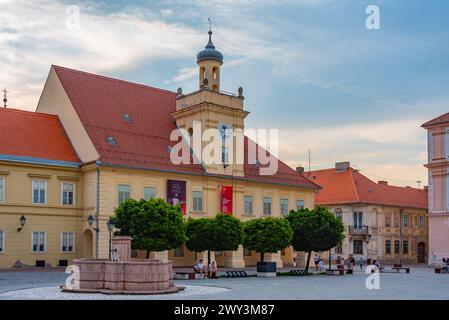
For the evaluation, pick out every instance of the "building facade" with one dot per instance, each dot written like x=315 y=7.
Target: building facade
x=382 y=222
x=438 y=168
x=120 y=133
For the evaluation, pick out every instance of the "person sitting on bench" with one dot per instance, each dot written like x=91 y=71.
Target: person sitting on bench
x=200 y=268
x=445 y=267
x=213 y=270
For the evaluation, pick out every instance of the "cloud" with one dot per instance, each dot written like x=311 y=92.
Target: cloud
x=390 y=150
x=32 y=39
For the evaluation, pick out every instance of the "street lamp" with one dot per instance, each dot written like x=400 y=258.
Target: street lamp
x=110 y=226
x=90 y=221
x=22 y=220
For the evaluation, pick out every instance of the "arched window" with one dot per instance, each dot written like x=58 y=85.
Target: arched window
x=215 y=73
x=202 y=73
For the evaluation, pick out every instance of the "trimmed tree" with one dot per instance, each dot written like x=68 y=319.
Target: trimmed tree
x=267 y=235
x=154 y=225
x=201 y=235
x=315 y=230
x=222 y=233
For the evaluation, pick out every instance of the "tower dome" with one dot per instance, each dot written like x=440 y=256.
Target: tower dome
x=209 y=52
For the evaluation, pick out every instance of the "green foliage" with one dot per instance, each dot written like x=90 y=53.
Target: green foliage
x=315 y=230
x=154 y=225
x=228 y=232
x=221 y=233
x=201 y=235
x=267 y=235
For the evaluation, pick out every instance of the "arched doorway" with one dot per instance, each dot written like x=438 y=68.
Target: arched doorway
x=88 y=243
x=421 y=252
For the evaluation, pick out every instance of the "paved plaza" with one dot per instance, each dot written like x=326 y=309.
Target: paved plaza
x=421 y=283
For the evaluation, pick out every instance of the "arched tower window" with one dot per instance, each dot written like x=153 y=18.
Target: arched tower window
x=202 y=73
x=215 y=73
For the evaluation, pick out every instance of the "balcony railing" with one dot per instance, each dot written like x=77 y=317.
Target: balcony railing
x=358 y=231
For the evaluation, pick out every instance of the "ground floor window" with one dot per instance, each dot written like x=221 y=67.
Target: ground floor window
x=218 y=253
x=67 y=242
x=387 y=246
x=396 y=246
x=179 y=252
x=339 y=248
x=38 y=241
x=405 y=247
x=246 y=252
x=358 y=247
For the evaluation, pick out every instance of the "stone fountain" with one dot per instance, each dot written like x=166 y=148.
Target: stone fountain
x=123 y=275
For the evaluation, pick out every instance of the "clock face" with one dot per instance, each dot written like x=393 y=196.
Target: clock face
x=224 y=130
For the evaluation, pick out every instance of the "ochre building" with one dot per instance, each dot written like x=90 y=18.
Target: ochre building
x=95 y=141
x=382 y=222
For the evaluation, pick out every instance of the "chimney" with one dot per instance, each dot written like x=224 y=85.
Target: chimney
x=426 y=188
x=342 y=166
x=300 y=170
x=384 y=183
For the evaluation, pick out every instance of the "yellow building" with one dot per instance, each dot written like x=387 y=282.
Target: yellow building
x=121 y=133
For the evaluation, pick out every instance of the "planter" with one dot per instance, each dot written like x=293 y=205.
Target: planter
x=266 y=269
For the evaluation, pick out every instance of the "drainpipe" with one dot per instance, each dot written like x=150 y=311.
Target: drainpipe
x=97 y=209
x=401 y=224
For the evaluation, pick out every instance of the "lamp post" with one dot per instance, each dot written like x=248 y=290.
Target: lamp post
x=90 y=221
x=22 y=220
x=110 y=226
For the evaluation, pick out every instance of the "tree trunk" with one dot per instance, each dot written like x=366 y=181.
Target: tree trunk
x=261 y=256
x=308 y=261
x=208 y=263
x=147 y=255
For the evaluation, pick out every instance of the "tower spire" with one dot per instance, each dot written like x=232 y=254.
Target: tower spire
x=5 y=97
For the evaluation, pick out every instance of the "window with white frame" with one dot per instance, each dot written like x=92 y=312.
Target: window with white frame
x=339 y=214
x=197 y=201
x=68 y=194
x=421 y=221
x=124 y=192
x=2 y=189
x=248 y=205
x=2 y=241
x=300 y=204
x=267 y=206
x=405 y=220
x=39 y=191
x=38 y=241
x=149 y=193
x=67 y=242
x=284 y=207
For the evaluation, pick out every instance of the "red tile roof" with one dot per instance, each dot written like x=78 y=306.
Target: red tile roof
x=101 y=104
x=439 y=120
x=352 y=187
x=36 y=135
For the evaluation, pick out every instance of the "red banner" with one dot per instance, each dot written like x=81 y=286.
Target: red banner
x=226 y=199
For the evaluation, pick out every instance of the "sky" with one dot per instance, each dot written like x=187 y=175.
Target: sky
x=309 y=68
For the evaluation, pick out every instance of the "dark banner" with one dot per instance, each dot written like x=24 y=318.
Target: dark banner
x=226 y=199
x=176 y=193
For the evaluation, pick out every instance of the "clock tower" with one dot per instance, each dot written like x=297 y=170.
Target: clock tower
x=213 y=117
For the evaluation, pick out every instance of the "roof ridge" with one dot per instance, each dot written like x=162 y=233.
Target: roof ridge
x=351 y=170
x=111 y=79
x=34 y=113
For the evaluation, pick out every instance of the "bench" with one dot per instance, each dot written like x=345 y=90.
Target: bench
x=440 y=270
x=341 y=270
x=399 y=267
x=236 y=274
x=297 y=272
